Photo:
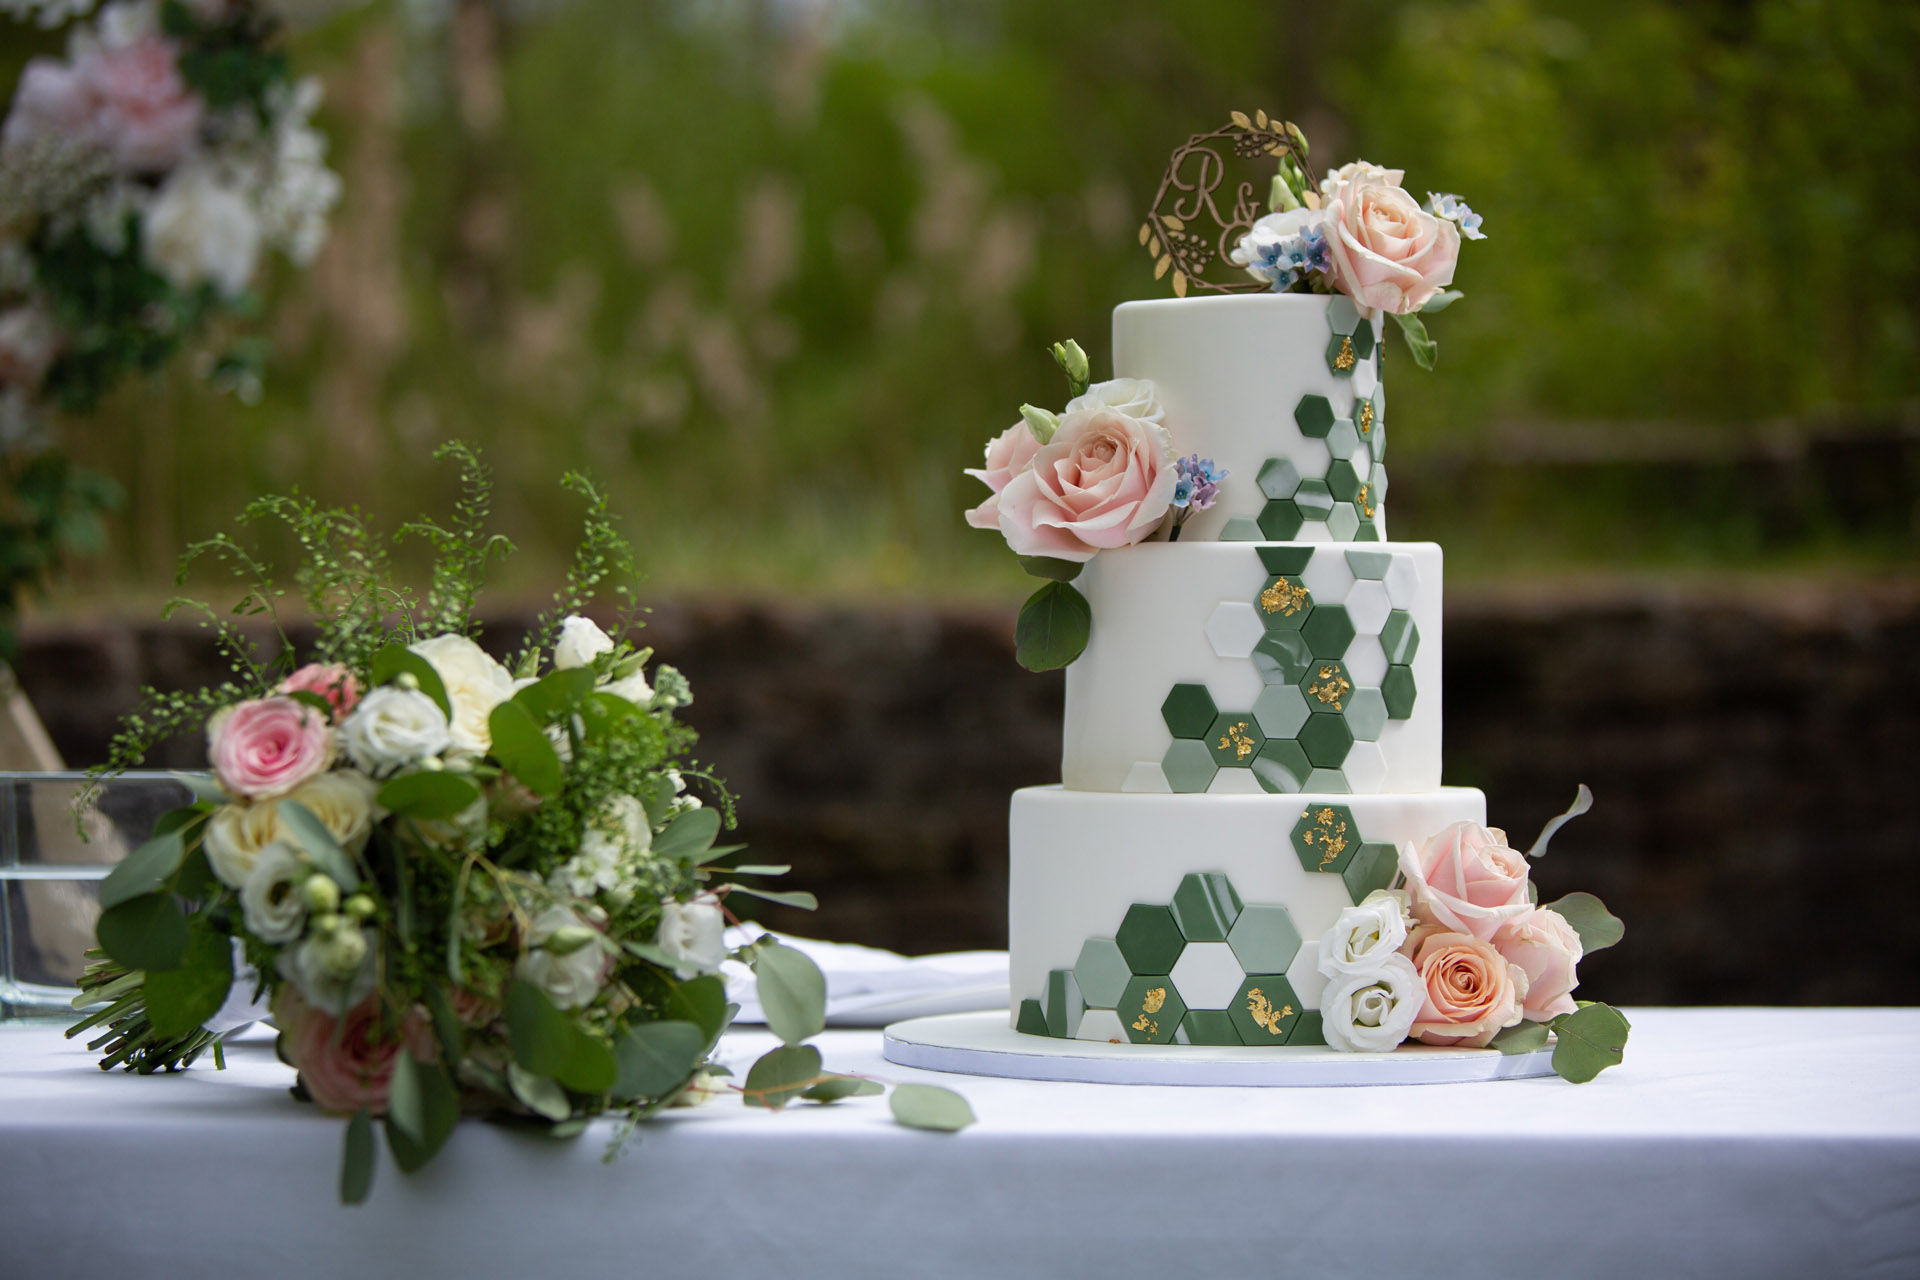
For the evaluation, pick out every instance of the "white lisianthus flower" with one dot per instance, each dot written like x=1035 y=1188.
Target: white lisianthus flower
x=202 y=229
x=570 y=978
x=581 y=641
x=693 y=933
x=1135 y=397
x=1365 y=935
x=1372 y=1012
x=475 y=685
x=270 y=900
x=392 y=727
x=613 y=841
x=319 y=969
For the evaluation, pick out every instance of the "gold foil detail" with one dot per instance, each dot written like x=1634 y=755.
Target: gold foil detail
x=1364 y=419
x=1285 y=598
x=1330 y=833
x=1344 y=362
x=1156 y=1000
x=1242 y=743
x=1331 y=688
x=1264 y=1014
x=1367 y=506
x=1190 y=228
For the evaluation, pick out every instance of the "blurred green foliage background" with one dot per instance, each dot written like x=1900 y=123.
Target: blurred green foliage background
x=775 y=270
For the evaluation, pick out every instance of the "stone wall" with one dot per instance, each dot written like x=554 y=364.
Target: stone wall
x=1750 y=753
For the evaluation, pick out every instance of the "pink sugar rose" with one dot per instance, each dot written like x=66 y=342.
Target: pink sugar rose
x=1105 y=480
x=1472 y=991
x=1008 y=454
x=1388 y=253
x=330 y=680
x=1467 y=879
x=1543 y=944
x=268 y=746
x=348 y=1064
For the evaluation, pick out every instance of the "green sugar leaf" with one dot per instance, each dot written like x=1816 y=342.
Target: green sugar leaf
x=928 y=1106
x=1588 y=1041
x=144 y=870
x=356 y=1159
x=429 y=794
x=147 y=932
x=1441 y=301
x=689 y=835
x=1423 y=348
x=181 y=998
x=782 y=1075
x=655 y=1058
x=1522 y=1037
x=1598 y=928
x=1053 y=628
x=312 y=836
x=523 y=749
x=793 y=993
x=1582 y=801
x=1048 y=567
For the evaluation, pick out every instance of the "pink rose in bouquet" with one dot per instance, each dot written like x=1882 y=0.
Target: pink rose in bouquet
x=1105 y=480
x=1472 y=991
x=125 y=94
x=1008 y=454
x=1467 y=879
x=1387 y=252
x=1543 y=944
x=330 y=680
x=268 y=746
x=347 y=1063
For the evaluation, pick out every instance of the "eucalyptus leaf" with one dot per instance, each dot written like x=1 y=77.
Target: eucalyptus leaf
x=793 y=993
x=1598 y=928
x=447 y=1027
x=652 y=953
x=1441 y=301
x=1588 y=1041
x=567 y=1130
x=356 y=1159
x=542 y=1037
x=1522 y=1037
x=1423 y=348
x=422 y=1109
x=689 y=835
x=204 y=788
x=655 y=1058
x=590 y=1065
x=433 y=795
x=1053 y=628
x=312 y=836
x=553 y=695
x=1048 y=567
x=703 y=1002
x=312 y=701
x=782 y=1075
x=540 y=1094
x=147 y=932
x=1582 y=801
x=928 y=1106
x=834 y=1088
x=523 y=749
x=179 y=999
x=144 y=870
x=397 y=659
x=785 y=897
x=758 y=869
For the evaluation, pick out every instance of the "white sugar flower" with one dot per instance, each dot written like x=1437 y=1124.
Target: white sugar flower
x=1135 y=397
x=1365 y=935
x=392 y=727
x=1372 y=1012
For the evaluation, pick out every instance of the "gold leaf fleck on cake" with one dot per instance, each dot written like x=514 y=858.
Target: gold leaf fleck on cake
x=1284 y=598
x=1237 y=739
x=1344 y=361
x=1331 y=687
x=1364 y=419
x=1265 y=1014
x=1365 y=499
x=1146 y=1024
x=1156 y=999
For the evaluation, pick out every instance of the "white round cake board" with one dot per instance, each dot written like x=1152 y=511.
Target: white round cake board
x=982 y=1044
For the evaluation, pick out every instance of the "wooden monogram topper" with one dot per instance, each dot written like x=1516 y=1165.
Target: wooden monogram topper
x=1187 y=232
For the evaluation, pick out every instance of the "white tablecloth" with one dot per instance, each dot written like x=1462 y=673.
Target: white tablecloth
x=1734 y=1142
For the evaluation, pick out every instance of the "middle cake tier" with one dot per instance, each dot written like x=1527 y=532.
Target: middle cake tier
x=1258 y=667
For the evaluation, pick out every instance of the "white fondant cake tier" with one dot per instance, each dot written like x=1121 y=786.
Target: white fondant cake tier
x=1217 y=865
x=1230 y=372
x=1326 y=655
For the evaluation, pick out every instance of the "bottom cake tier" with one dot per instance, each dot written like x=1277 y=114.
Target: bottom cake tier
x=1194 y=919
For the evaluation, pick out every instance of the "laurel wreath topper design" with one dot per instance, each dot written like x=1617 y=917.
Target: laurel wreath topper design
x=1186 y=230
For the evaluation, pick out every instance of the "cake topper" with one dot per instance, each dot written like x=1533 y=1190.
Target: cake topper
x=1188 y=232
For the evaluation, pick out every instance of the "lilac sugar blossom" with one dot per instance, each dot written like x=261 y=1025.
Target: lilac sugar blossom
x=1196 y=487
x=1454 y=209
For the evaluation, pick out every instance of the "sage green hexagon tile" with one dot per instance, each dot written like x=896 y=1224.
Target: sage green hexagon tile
x=1284 y=603
x=1278 y=478
x=1205 y=906
x=1188 y=766
x=1282 y=657
x=1101 y=972
x=1377 y=437
x=1207 y=975
x=1188 y=710
x=1341 y=355
x=1377 y=482
x=1368 y=532
x=1327 y=685
x=1326 y=740
x=1313 y=415
x=1313 y=499
x=1400 y=637
x=1264 y=939
x=1265 y=1009
x=1207 y=1026
x=1281 y=709
x=1282 y=767
x=1369 y=565
x=1325 y=838
x=1241 y=529
x=1280 y=519
x=1366 y=422
x=1287 y=561
x=1151 y=1009
x=1366 y=714
x=1233 y=739
x=1149 y=939
x=1328 y=782
x=1309 y=1030
x=1343 y=316
x=1363 y=339
x=1342 y=440
x=1062 y=1004
x=1373 y=867
x=1399 y=691
x=1033 y=1021
x=1343 y=522
x=1328 y=631
x=1342 y=480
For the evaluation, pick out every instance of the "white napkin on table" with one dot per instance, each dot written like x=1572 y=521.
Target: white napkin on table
x=868 y=987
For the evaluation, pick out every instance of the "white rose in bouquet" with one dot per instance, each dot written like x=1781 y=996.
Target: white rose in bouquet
x=1365 y=934
x=1372 y=1012
x=392 y=727
x=343 y=802
x=563 y=958
x=237 y=835
x=693 y=933
x=270 y=900
x=633 y=688
x=581 y=641
x=200 y=229
x=475 y=684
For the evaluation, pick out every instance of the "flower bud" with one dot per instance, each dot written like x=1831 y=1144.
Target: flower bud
x=432 y=764
x=1039 y=421
x=1073 y=362
x=328 y=922
x=359 y=906
x=342 y=954
x=1280 y=199
x=321 y=893
x=568 y=939
x=407 y=680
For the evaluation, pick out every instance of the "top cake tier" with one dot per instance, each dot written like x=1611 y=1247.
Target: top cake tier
x=1284 y=392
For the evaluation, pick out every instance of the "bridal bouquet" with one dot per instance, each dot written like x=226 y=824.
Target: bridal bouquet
x=460 y=884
